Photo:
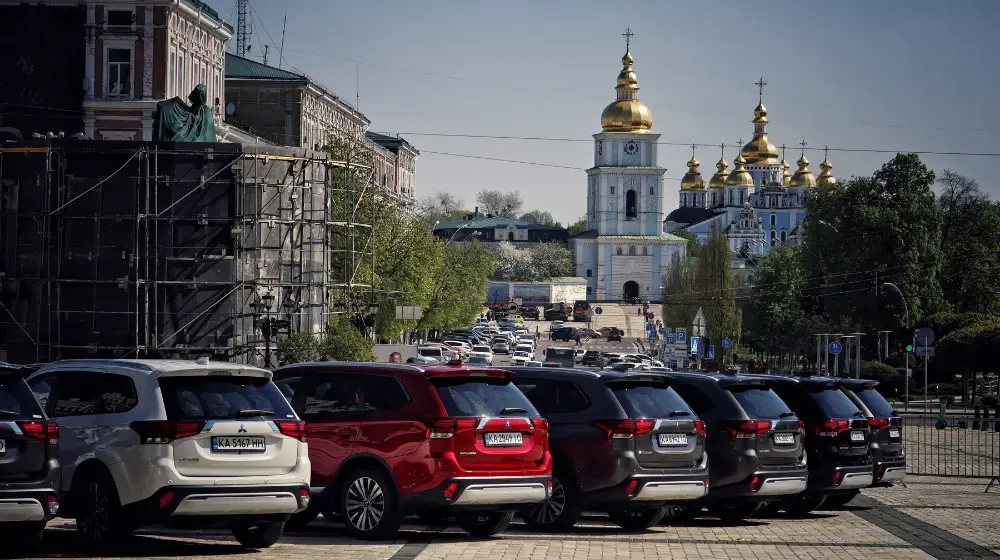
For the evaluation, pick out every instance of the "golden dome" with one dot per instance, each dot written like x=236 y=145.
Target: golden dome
x=803 y=177
x=627 y=113
x=692 y=179
x=825 y=177
x=740 y=176
x=760 y=149
x=786 y=176
x=719 y=179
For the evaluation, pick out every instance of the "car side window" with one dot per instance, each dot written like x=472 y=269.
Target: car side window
x=117 y=394
x=331 y=394
x=553 y=397
x=73 y=394
x=287 y=386
x=383 y=393
x=695 y=397
x=42 y=387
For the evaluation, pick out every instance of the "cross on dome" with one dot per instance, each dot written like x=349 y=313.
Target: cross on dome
x=803 y=144
x=760 y=87
x=628 y=37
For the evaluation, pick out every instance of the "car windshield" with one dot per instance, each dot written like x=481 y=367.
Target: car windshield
x=760 y=403
x=480 y=348
x=833 y=402
x=433 y=352
x=16 y=400
x=204 y=397
x=520 y=354
x=876 y=403
x=645 y=400
x=478 y=360
x=482 y=397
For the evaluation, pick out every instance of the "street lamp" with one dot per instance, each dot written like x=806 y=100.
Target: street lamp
x=268 y=325
x=906 y=355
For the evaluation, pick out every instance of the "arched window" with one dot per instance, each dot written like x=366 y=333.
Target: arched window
x=774 y=238
x=631 y=210
x=714 y=199
x=774 y=220
x=631 y=250
x=645 y=250
x=730 y=198
x=684 y=200
x=784 y=237
x=742 y=200
x=619 y=250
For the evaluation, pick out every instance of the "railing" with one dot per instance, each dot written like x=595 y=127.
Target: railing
x=952 y=445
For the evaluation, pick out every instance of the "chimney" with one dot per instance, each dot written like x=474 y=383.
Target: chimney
x=476 y=213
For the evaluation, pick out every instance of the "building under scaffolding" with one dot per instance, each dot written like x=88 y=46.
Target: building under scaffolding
x=126 y=249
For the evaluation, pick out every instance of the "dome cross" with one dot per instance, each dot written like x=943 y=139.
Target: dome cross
x=628 y=37
x=760 y=87
x=803 y=144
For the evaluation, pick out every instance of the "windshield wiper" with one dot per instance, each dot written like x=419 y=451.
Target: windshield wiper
x=786 y=414
x=9 y=413
x=858 y=413
x=679 y=413
x=249 y=412
x=513 y=410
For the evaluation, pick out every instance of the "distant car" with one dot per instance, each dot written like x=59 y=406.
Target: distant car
x=528 y=349
x=555 y=325
x=533 y=364
x=615 y=335
x=479 y=360
x=434 y=352
x=578 y=354
x=552 y=364
x=500 y=346
x=592 y=358
x=520 y=358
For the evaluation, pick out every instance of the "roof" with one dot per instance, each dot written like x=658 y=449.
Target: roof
x=589 y=234
x=389 y=142
x=238 y=67
x=725 y=378
x=492 y=223
x=155 y=367
x=565 y=372
x=566 y=280
x=689 y=215
x=320 y=367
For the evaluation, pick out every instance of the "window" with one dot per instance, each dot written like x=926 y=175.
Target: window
x=68 y=394
x=119 y=73
x=553 y=397
x=760 y=403
x=117 y=394
x=382 y=393
x=630 y=205
x=333 y=394
x=742 y=200
x=288 y=386
x=875 y=403
x=179 y=76
x=774 y=238
x=208 y=397
x=783 y=237
x=120 y=17
x=730 y=198
x=481 y=397
x=631 y=250
x=589 y=273
x=644 y=400
x=16 y=399
x=694 y=396
x=619 y=251
x=172 y=74
x=589 y=290
x=684 y=200
x=652 y=190
x=645 y=251
x=714 y=201
x=612 y=189
x=774 y=220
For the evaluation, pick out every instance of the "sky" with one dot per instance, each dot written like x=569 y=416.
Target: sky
x=899 y=75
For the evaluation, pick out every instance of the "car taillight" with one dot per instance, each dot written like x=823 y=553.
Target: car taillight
x=293 y=428
x=699 y=428
x=626 y=429
x=47 y=431
x=541 y=424
x=741 y=429
x=802 y=427
x=446 y=429
x=166 y=499
x=755 y=483
x=877 y=423
x=53 y=503
x=165 y=431
x=832 y=427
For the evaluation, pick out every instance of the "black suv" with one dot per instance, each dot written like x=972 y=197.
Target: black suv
x=592 y=358
x=565 y=334
x=755 y=443
x=622 y=443
x=29 y=468
x=837 y=438
x=886 y=436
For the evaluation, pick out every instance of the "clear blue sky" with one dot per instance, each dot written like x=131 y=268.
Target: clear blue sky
x=888 y=74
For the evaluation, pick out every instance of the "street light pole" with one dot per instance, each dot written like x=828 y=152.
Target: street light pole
x=906 y=355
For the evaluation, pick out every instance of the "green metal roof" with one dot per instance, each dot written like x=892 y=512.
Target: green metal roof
x=664 y=237
x=567 y=280
x=239 y=67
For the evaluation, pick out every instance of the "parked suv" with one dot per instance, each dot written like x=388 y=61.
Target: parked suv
x=886 y=437
x=755 y=445
x=565 y=334
x=626 y=444
x=29 y=466
x=180 y=442
x=387 y=440
x=837 y=439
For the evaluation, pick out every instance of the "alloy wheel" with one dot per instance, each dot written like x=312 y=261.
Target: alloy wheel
x=365 y=504
x=550 y=510
x=95 y=524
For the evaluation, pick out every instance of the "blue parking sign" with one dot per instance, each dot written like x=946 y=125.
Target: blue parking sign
x=711 y=352
x=670 y=340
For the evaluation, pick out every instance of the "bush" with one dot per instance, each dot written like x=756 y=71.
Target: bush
x=877 y=371
x=345 y=343
x=299 y=347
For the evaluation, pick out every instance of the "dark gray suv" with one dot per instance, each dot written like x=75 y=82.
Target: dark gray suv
x=623 y=443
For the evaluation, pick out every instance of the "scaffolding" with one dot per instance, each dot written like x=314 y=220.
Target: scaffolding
x=134 y=249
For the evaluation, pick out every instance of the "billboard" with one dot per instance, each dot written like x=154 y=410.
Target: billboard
x=497 y=292
x=532 y=294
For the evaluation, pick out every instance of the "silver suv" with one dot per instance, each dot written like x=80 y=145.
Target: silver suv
x=176 y=442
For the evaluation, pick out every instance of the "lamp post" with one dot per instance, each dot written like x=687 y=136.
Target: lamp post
x=262 y=307
x=906 y=355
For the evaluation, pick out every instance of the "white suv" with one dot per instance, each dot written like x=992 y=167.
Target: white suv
x=176 y=442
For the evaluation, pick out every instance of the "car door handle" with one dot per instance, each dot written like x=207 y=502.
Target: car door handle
x=346 y=433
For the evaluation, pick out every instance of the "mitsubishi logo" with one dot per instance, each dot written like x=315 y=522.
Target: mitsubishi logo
x=508 y=424
x=243 y=429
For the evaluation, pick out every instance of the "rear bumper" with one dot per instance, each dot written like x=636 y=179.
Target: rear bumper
x=27 y=505
x=482 y=493
x=765 y=485
x=842 y=478
x=216 y=503
x=653 y=489
x=888 y=472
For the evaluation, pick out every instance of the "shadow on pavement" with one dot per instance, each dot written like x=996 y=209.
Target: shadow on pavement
x=64 y=544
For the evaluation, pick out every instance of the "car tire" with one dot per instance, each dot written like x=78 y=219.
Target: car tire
x=97 y=509
x=369 y=505
x=484 y=525
x=560 y=512
x=257 y=534
x=681 y=513
x=300 y=520
x=803 y=504
x=837 y=501
x=735 y=511
x=637 y=519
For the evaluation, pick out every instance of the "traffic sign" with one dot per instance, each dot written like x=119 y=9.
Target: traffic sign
x=590 y=313
x=925 y=352
x=727 y=343
x=670 y=340
x=598 y=310
x=920 y=334
x=711 y=352
x=836 y=347
x=663 y=330
x=681 y=335
x=694 y=344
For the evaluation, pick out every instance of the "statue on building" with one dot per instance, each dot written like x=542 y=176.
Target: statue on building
x=176 y=121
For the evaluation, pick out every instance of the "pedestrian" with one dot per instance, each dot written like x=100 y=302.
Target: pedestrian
x=577 y=338
x=395 y=358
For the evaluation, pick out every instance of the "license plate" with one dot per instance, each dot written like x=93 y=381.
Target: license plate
x=894 y=434
x=857 y=436
x=3 y=447
x=784 y=439
x=504 y=439
x=672 y=439
x=248 y=444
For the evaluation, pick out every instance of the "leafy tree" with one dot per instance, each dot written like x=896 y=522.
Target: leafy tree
x=718 y=291
x=578 y=227
x=551 y=260
x=540 y=217
x=972 y=348
x=693 y=245
x=460 y=286
x=514 y=264
x=970 y=243
x=500 y=203
x=679 y=306
x=877 y=371
x=440 y=207
x=775 y=314
x=299 y=347
x=346 y=343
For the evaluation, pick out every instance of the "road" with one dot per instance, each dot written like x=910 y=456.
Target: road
x=929 y=518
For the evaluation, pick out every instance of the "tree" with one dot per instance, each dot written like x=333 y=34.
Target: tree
x=970 y=244
x=679 y=306
x=440 y=207
x=540 y=217
x=774 y=313
x=499 y=203
x=551 y=260
x=299 y=347
x=344 y=342
x=693 y=245
x=579 y=226
x=459 y=286
x=541 y=262
x=717 y=288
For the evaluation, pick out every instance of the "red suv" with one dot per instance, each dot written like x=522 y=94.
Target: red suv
x=386 y=440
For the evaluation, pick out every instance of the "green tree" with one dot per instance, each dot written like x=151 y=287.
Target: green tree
x=551 y=260
x=970 y=243
x=540 y=217
x=345 y=342
x=774 y=313
x=460 y=281
x=693 y=245
x=299 y=347
x=679 y=293
x=578 y=227
x=718 y=292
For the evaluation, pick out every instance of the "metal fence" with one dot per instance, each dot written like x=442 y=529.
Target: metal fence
x=954 y=445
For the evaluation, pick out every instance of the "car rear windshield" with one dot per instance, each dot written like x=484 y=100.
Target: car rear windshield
x=215 y=397
x=876 y=403
x=760 y=403
x=17 y=402
x=833 y=402
x=646 y=400
x=483 y=397
x=429 y=351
